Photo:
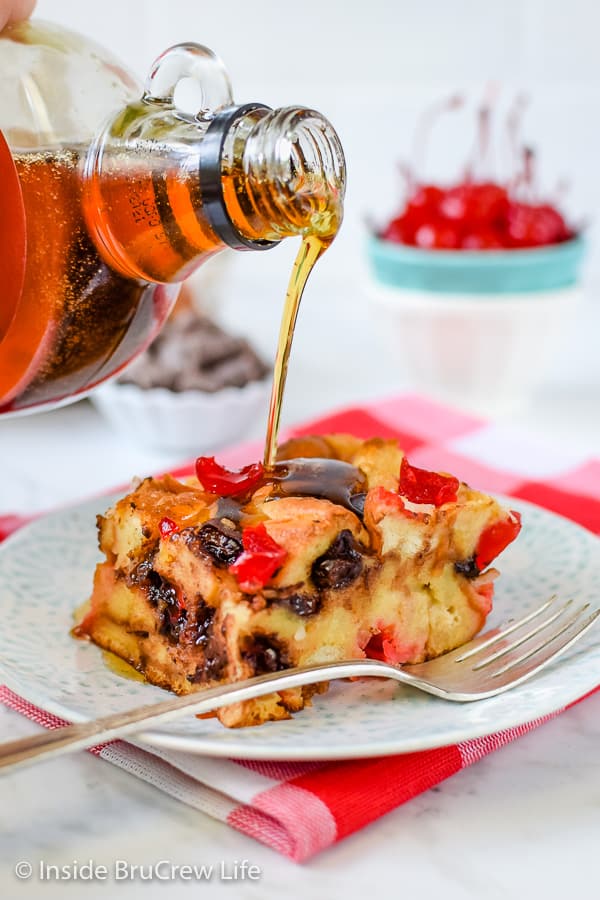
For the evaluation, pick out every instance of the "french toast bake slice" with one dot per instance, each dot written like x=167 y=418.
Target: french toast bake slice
x=198 y=590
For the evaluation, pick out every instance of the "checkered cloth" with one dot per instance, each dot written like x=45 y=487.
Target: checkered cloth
x=300 y=808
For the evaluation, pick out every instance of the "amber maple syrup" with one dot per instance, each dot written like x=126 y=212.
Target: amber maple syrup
x=311 y=248
x=78 y=318
x=331 y=479
x=120 y=667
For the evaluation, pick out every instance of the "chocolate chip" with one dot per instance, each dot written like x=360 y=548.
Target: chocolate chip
x=467 y=567
x=163 y=596
x=174 y=621
x=213 y=667
x=340 y=565
x=220 y=542
x=160 y=591
x=204 y=619
x=264 y=654
x=303 y=604
x=213 y=647
x=139 y=575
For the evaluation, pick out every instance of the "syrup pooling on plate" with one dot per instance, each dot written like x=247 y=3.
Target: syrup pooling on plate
x=121 y=667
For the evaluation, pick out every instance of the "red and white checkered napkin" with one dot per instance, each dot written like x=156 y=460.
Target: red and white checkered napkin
x=299 y=808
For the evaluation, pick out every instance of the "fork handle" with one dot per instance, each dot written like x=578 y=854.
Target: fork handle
x=26 y=751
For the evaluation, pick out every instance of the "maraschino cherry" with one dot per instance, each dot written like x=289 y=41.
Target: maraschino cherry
x=477 y=213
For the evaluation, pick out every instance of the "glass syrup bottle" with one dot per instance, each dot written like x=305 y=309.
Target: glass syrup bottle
x=110 y=196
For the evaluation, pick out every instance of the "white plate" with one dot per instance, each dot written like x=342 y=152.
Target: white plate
x=46 y=571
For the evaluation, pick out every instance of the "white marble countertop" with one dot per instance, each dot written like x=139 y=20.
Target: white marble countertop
x=522 y=823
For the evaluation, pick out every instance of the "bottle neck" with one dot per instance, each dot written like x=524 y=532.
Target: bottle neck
x=224 y=219
x=162 y=193
x=282 y=173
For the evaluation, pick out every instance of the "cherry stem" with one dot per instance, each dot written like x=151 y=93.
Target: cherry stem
x=514 y=122
x=481 y=164
x=529 y=172
x=408 y=181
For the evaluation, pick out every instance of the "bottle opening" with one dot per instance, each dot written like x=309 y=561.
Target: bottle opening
x=306 y=157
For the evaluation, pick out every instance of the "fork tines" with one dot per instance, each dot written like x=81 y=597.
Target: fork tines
x=551 y=640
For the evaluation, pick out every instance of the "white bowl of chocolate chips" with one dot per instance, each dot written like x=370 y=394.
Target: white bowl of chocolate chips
x=195 y=388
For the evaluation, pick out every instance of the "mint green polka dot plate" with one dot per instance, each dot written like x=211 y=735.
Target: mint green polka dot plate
x=46 y=571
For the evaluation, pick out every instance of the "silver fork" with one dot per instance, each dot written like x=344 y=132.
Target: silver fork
x=490 y=664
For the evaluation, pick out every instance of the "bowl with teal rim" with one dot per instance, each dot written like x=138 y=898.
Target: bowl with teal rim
x=475 y=328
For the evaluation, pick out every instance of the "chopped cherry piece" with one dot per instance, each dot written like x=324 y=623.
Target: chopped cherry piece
x=388 y=646
x=390 y=502
x=261 y=558
x=374 y=648
x=217 y=479
x=423 y=486
x=167 y=527
x=495 y=538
